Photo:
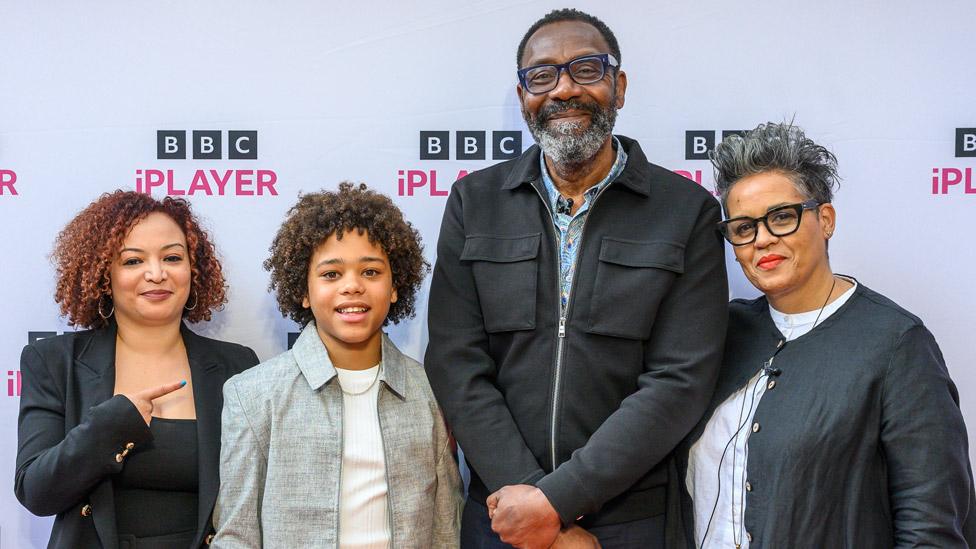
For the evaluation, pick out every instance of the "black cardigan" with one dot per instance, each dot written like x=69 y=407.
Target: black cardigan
x=71 y=428
x=861 y=442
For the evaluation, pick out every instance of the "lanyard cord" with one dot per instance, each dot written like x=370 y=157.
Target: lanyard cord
x=724 y=452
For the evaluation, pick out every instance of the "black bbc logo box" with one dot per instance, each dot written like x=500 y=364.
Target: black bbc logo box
x=698 y=143
x=470 y=145
x=207 y=144
x=965 y=142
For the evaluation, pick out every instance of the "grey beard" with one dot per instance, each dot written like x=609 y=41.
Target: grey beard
x=568 y=143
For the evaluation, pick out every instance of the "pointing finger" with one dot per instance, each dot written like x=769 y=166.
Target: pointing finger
x=162 y=390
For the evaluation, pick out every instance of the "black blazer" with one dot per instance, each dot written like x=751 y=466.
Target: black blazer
x=72 y=430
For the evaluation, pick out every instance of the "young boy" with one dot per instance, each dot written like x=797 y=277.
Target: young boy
x=339 y=441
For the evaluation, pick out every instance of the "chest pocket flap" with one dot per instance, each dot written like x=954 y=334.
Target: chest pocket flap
x=506 y=272
x=669 y=256
x=633 y=276
x=500 y=249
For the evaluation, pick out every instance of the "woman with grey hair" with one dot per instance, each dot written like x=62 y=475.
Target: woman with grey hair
x=834 y=422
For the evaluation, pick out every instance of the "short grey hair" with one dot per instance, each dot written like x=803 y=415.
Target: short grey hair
x=780 y=148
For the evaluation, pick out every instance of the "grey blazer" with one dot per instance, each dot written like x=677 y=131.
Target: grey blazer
x=282 y=449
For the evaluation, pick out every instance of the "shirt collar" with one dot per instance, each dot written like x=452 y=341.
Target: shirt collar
x=555 y=198
x=314 y=362
x=789 y=322
x=639 y=175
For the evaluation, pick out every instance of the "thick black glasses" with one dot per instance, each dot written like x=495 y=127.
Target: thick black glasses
x=781 y=221
x=584 y=70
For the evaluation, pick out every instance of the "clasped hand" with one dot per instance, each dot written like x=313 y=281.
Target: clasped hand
x=523 y=517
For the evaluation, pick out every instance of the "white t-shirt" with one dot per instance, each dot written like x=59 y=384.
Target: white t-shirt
x=363 y=514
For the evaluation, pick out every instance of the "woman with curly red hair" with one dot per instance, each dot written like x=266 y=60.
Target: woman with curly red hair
x=119 y=427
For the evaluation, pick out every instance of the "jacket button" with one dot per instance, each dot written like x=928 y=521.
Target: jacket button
x=755 y=427
x=209 y=539
x=748 y=486
x=771 y=384
x=119 y=458
x=86 y=510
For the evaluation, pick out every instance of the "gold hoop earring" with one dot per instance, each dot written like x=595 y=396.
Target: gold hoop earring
x=194 y=303
x=103 y=315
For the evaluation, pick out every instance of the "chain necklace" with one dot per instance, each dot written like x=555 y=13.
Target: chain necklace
x=368 y=387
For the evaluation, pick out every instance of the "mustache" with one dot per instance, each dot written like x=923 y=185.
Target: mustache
x=548 y=111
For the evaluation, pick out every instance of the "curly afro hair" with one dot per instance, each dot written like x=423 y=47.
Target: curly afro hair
x=89 y=243
x=316 y=217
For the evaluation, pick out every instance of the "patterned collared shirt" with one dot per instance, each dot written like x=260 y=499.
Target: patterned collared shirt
x=570 y=227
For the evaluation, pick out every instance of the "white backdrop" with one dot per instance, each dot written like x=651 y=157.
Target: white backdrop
x=335 y=94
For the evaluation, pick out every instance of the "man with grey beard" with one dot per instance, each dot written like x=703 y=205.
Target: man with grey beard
x=577 y=312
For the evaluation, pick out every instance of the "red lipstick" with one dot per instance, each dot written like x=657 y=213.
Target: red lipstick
x=769 y=262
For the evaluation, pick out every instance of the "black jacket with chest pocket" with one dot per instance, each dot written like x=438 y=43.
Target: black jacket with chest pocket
x=589 y=404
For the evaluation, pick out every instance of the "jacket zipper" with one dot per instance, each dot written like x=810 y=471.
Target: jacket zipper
x=561 y=314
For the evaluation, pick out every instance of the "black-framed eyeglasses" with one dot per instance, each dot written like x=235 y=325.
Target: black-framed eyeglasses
x=780 y=221
x=584 y=70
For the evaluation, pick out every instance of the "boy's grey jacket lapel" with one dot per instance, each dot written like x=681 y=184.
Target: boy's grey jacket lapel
x=392 y=372
x=312 y=358
x=314 y=362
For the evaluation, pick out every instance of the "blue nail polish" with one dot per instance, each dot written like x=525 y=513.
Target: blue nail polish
x=182 y=383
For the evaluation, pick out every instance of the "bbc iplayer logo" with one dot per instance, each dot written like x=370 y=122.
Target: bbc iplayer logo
x=959 y=179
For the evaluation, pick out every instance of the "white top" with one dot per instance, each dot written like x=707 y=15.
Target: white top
x=716 y=476
x=363 y=515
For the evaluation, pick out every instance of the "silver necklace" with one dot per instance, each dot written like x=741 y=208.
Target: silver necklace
x=368 y=387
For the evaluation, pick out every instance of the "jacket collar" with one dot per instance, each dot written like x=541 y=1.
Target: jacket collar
x=95 y=358
x=97 y=352
x=635 y=176
x=209 y=374
x=314 y=362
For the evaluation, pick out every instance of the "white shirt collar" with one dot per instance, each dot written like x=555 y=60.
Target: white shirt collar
x=795 y=325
